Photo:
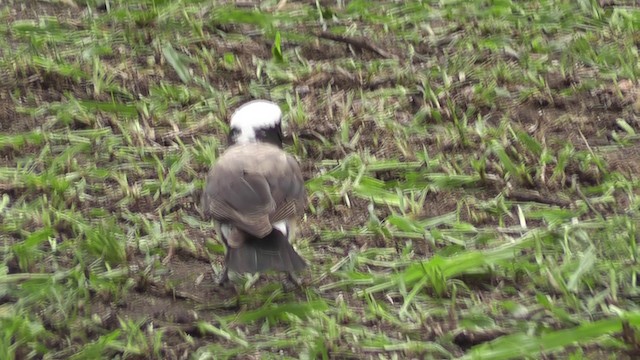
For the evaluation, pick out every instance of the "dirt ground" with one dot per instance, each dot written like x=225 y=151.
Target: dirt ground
x=183 y=291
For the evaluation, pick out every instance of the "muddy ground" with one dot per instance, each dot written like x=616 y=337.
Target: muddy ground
x=183 y=289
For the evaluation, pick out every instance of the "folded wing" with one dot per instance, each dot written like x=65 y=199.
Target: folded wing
x=253 y=186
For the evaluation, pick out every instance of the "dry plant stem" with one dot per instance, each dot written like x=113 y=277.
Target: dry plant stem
x=170 y=252
x=281 y=5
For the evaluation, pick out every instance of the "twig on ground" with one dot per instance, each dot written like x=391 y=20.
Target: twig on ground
x=162 y=289
x=360 y=43
x=531 y=195
x=525 y=194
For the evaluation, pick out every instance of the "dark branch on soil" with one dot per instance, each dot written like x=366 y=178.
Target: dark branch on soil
x=535 y=196
x=542 y=197
x=360 y=43
x=467 y=339
x=162 y=289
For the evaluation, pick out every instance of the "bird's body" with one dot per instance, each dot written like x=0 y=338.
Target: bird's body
x=255 y=193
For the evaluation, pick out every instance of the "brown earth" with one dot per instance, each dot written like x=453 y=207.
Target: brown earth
x=184 y=291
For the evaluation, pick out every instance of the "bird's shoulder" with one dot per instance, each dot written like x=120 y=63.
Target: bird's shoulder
x=255 y=158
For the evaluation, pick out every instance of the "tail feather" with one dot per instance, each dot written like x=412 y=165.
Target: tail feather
x=273 y=252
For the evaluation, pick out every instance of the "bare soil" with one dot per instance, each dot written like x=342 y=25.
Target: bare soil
x=186 y=291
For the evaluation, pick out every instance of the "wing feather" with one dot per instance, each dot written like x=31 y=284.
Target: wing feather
x=252 y=186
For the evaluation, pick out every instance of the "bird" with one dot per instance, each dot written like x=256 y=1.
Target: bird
x=254 y=193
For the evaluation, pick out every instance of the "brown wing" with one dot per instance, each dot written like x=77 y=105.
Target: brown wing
x=253 y=186
x=287 y=189
x=239 y=198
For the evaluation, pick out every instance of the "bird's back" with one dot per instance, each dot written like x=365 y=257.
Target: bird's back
x=251 y=186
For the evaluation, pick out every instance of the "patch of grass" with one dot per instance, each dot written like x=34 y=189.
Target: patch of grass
x=472 y=170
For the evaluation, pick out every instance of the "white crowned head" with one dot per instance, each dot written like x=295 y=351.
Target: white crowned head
x=256 y=121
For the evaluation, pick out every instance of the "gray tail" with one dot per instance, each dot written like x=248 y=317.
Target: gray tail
x=273 y=252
